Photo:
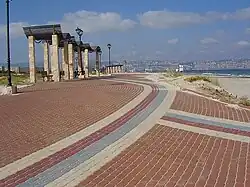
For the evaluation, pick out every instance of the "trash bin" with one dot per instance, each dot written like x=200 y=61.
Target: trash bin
x=14 y=89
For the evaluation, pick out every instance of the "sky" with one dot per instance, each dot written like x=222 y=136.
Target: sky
x=137 y=30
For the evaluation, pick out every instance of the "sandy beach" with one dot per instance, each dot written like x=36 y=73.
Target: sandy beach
x=235 y=85
x=232 y=90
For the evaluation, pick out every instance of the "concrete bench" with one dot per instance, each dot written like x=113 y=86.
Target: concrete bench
x=46 y=77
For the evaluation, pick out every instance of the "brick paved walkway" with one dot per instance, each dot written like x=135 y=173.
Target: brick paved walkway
x=46 y=113
x=200 y=105
x=172 y=157
x=180 y=150
x=135 y=77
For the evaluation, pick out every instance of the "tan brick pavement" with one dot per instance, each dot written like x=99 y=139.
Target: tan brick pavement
x=203 y=106
x=47 y=113
x=134 y=77
x=171 y=157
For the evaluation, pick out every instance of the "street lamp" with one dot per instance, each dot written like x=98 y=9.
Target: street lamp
x=109 y=47
x=80 y=33
x=99 y=66
x=8 y=40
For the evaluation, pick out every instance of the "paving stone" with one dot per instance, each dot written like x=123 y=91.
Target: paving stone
x=46 y=113
x=173 y=157
x=203 y=106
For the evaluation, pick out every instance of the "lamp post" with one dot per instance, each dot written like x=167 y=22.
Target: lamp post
x=99 y=65
x=109 y=47
x=8 y=40
x=80 y=33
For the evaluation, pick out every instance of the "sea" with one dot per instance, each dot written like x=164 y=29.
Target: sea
x=222 y=72
x=214 y=72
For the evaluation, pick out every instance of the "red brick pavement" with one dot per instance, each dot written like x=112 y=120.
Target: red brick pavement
x=206 y=126
x=44 y=164
x=203 y=106
x=46 y=113
x=172 y=157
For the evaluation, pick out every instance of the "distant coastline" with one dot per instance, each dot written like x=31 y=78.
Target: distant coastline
x=222 y=72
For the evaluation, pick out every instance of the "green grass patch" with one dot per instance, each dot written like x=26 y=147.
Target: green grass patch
x=15 y=79
x=197 y=78
x=244 y=101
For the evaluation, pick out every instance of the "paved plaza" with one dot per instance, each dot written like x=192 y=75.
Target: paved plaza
x=125 y=131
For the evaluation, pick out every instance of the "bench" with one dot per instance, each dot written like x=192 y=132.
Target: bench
x=47 y=76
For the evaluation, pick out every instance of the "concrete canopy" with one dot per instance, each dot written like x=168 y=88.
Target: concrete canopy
x=43 y=32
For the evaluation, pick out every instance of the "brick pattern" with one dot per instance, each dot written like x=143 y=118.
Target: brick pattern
x=203 y=106
x=47 y=113
x=172 y=157
x=133 y=77
x=34 y=169
x=206 y=126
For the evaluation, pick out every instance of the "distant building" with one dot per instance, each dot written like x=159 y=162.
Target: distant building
x=180 y=68
x=148 y=70
x=2 y=68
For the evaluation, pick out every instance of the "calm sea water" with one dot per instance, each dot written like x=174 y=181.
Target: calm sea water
x=222 y=72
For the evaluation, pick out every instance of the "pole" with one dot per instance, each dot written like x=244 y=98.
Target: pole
x=80 y=54
x=109 y=56
x=8 y=41
x=99 y=65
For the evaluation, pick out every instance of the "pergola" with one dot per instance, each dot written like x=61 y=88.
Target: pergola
x=53 y=35
x=117 y=68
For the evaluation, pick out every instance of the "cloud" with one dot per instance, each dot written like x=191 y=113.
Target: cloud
x=247 y=30
x=208 y=41
x=173 y=41
x=170 y=19
x=88 y=21
x=16 y=29
x=243 y=43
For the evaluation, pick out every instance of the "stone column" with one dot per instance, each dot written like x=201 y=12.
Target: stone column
x=32 y=59
x=86 y=62
x=46 y=57
x=97 y=65
x=55 y=68
x=65 y=61
x=79 y=66
x=71 y=58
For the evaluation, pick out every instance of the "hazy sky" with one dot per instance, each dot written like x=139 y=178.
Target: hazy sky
x=159 y=29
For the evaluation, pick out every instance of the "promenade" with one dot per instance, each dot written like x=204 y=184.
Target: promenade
x=126 y=131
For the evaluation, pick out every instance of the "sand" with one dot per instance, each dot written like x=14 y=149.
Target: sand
x=236 y=86
x=4 y=90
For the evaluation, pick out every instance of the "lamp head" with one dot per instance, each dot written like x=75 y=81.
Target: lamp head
x=109 y=46
x=79 y=31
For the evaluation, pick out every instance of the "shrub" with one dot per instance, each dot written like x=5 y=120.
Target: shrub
x=197 y=78
x=244 y=101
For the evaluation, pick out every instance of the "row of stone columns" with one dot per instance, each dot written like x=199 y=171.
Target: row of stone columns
x=114 y=69
x=68 y=59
